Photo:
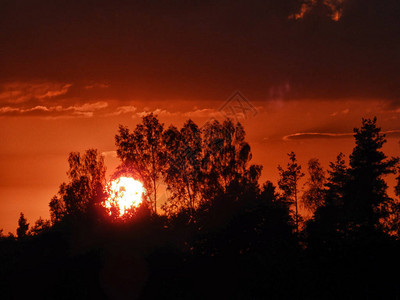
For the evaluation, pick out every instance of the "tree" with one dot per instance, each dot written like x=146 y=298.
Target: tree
x=289 y=182
x=356 y=199
x=393 y=221
x=366 y=201
x=338 y=176
x=226 y=159
x=142 y=154
x=23 y=226
x=206 y=164
x=183 y=172
x=40 y=226
x=314 y=194
x=328 y=220
x=86 y=189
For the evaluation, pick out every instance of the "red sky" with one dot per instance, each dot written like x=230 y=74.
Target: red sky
x=72 y=71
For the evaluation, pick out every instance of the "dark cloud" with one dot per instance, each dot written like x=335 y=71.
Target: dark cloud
x=206 y=49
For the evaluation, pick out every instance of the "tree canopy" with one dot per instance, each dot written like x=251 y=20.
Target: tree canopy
x=221 y=233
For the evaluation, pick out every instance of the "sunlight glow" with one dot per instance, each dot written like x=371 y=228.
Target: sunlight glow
x=124 y=193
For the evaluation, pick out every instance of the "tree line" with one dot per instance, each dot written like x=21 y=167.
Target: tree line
x=199 y=165
x=219 y=223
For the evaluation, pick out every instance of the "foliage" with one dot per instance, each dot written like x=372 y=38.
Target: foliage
x=314 y=193
x=226 y=158
x=367 y=203
x=40 y=226
x=23 y=226
x=86 y=189
x=338 y=176
x=205 y=164
x=142 y=154
x=183 y=173
x=356 y=202
x=289 y=184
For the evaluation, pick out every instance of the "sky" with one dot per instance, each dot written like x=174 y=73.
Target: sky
x=299 y=75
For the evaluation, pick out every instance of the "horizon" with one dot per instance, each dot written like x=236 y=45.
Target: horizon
x=279 y=147
x=72 y=72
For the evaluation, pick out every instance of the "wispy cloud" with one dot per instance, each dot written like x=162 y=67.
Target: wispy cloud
x=343 y=112
x=330 y=135
x=21 y=92
x=85 y=110
x=196 y=113
x=159 y=112
x=120 y=110
x=201 y=113
x=97 y=86
x=88 y=106
x=315 y=135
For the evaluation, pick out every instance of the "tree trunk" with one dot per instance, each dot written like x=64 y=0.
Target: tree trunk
x=155 y=195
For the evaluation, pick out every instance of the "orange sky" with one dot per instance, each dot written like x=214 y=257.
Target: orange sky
x=34 y=158
x=72 y=71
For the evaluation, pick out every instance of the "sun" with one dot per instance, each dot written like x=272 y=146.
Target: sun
x=124 y=193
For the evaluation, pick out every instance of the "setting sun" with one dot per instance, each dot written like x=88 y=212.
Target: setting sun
x=124 y=193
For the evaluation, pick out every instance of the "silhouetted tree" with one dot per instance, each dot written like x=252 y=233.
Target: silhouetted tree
x=86 y=189
x=366 y=201
x=57 y=206
x=23 y=226
x=338 y=177
x=40 y=226
x=328 y=223
x=356 y=198
x=289 y=184
x=183 y=172
x=314 y=193
x=268 y=191
x=393 y=221
x=226 y=158
x=142 y=154
x=203 y=165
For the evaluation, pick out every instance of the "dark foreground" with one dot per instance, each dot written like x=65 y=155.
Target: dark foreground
x=236 y=256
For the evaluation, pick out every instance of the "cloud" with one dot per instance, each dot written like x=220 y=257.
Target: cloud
x=196 y=113
x=101 y=108
x=159 y=112
x=306 y=7
x=333 y=8
x=201 y=113
x=88 y=106
x=85 y=110
x=213 y=113
x=343 y=112
x=97 y=86
x=392 y=133
x=120 y=110
x=315 y=135
x=20 y=92
x=326 y=135
x=356 y=57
